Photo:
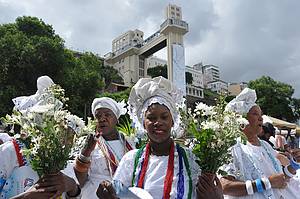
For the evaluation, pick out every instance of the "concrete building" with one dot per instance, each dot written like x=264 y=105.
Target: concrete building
x=211 y=74
x=130 y=50
x=154 y=61
x=235 y=88
x=126 y=40
x=219 y=86
x=196 y=88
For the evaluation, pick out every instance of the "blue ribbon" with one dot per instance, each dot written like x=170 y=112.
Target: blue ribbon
x=294 y=164
x=259 y=186
x=180 y=186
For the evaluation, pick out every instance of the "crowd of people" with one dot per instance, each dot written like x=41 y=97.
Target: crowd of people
x=109 y=166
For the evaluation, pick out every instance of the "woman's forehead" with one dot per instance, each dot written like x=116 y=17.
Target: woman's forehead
x=103 y=110
x=255 y=108
x=156 y=107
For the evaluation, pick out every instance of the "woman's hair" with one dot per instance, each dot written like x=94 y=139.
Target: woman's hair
x=268 y=128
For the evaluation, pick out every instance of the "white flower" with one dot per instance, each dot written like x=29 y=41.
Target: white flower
x=41 y=108
x=201 y=107
x=205 y=109
x=210 y=125
x=242 y=121
x=226 y=119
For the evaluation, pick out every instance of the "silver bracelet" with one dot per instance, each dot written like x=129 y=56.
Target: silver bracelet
x=287 y=172
x=249 y=187
x=84 y=158
x=267 y=183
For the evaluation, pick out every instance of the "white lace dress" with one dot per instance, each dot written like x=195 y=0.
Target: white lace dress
x=252 y=162
x=156 y=172
x=13 y=178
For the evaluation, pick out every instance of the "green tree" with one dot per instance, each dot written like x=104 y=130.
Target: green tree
x=28 y=49
x=82 y=80
x=111 y=75
x=163 y=71
x=158 y=71
x=275 y=98
x=188 y=77
x=118 y=96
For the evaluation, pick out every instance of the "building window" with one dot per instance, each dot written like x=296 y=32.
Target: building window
x=141 y=73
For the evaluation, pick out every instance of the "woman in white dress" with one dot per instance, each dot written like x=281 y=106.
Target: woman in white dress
x=17 y=179
x=102 y=152
x=162 y=168
x=255 y=172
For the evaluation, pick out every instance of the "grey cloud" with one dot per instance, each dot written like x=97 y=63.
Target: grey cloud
x=246 y=39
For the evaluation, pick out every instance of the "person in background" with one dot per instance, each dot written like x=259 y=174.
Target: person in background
x=25 y=102
x=267 y=132
x=254 y=171
x=102 y=151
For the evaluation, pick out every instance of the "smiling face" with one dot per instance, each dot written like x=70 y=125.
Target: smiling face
x=254 y=116
x=158 y=123
x=106 y=121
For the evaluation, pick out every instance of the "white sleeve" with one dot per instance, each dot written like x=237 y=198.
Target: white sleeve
x=8 y=161
x=124 y=172
x=231 y=168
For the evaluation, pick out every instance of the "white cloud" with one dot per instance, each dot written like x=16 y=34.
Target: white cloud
x=246 y=39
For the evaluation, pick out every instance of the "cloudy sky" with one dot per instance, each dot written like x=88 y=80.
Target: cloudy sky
x=245 y=38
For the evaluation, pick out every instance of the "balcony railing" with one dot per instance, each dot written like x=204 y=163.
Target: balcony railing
x=176 y=22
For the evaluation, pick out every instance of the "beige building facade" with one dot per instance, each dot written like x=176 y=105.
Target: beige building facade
x=130 y=50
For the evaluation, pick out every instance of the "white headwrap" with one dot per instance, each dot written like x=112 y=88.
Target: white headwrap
x=149 y=91
x=118 y=108
x=25 y=102
x=243 y=102
x=43 y=82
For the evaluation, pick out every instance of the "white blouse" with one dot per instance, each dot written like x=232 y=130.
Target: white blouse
x=156 y=172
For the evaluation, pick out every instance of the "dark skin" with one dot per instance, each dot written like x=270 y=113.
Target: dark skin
x=105 y=127
x=234 y=187
x=158 y=123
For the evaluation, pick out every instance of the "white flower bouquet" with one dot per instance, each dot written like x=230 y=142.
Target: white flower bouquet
x=52 y=132
x=214 y=132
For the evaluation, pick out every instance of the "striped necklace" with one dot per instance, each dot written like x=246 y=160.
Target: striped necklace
x=141 y=164
x=112 y=160
x=21 y=158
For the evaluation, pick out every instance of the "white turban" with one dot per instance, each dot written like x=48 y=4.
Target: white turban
x=243 y=102
x=43 y=82
x=149 y=91
x=25 y=102
x=118 y=108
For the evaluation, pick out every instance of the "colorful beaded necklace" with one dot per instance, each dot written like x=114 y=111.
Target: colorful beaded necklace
x=141 y=163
